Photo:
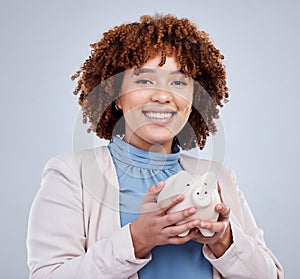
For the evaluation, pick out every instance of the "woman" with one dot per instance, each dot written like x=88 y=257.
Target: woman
x=152 y=88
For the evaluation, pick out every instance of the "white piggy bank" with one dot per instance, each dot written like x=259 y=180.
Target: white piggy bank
x=199 y=191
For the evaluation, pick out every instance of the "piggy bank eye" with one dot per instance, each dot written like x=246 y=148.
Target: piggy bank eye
x=205 y=192
x=188 y=184
x=198 y=193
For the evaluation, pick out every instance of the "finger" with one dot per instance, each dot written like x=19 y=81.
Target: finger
x=152 y=192
x=176 y=230
x=181 y=239
x=223 y=210
x=165 y=204
x=225 y=223
x=156 y=188
x=215 y=226
x=175 y=217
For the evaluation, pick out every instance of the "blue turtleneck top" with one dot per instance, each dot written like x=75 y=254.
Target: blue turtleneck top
x=137 y=170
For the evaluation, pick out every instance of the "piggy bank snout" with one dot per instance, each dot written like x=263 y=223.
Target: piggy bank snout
x=201 y=198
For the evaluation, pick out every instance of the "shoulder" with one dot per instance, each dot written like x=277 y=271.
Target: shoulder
x=73 y=162
x=84 y=170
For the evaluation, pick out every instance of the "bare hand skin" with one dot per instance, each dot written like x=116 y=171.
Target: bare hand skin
x=222 y=239
x=155 y=226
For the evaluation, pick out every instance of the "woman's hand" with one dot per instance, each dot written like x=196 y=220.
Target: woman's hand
x=155 y=226
x=222 y=239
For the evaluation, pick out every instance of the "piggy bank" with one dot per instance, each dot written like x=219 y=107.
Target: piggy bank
x=199 y=191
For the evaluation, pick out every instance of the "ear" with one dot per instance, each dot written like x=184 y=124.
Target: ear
x=118 y=104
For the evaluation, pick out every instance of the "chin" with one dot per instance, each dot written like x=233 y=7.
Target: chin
x=159 y=139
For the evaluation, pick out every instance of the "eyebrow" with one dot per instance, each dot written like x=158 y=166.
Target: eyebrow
x=138 y=71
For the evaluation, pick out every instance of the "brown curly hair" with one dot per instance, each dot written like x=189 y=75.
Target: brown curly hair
x=132 y=45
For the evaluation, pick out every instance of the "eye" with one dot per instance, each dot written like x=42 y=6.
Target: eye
x=144 y=81
x=178 y=83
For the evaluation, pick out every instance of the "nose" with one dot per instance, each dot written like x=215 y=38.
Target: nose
x=161 y=96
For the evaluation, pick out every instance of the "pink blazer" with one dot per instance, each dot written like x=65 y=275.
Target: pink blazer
x=74 y=224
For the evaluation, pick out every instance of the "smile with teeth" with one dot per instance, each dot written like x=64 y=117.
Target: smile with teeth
x=159 y=115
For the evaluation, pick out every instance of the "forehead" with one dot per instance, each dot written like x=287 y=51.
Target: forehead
x=152 y=69
x=170 y=63
x=155 y=70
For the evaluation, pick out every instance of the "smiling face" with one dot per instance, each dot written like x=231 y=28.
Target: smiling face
x=156 y=103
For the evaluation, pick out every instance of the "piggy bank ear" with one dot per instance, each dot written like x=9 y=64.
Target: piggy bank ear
x=176 y=184
x=202 y=198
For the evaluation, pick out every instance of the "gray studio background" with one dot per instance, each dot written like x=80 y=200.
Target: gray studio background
x=44 y=42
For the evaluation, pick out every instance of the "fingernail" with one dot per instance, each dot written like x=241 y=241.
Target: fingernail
x=159 y=184
x=203 y=224
x=192 y=210
x=180 y=197
x=196 y=223
x=219 y=207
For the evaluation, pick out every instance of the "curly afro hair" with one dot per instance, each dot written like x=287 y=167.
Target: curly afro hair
x=131 y=45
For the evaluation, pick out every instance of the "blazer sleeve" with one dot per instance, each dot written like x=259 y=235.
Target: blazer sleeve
x=248 y=257
x=56 y=239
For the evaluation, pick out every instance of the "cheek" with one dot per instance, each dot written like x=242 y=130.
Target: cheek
x=131 y=101
x=188 y=107
x=185 y=103
x=127 y=101
x=184 y=106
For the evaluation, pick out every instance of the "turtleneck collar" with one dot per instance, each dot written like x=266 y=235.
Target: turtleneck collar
x=131 y=155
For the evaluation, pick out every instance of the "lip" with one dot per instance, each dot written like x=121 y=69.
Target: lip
x=158 y=109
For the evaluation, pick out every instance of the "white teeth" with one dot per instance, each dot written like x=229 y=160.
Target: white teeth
x=159 y=115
